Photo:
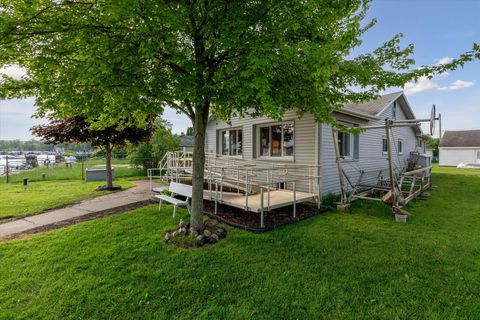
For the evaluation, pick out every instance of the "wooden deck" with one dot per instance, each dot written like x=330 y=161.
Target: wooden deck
x=278 y=199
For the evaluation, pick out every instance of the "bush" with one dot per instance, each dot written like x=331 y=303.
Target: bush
x=330 y=199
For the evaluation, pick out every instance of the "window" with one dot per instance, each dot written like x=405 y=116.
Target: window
x=345 y=144
x=400 y=146
x=394 y=110
x=276 y=140
x=231 y=142
x=348 y=145
x=384 y=146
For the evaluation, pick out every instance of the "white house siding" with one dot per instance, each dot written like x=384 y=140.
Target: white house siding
x=370 y=151
x=455 y=156
x=304 y=136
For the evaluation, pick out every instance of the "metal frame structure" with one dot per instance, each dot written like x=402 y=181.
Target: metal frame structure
x=251 y=185
x=400 y=187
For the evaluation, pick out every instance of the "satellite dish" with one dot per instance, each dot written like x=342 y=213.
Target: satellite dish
x=433 y=116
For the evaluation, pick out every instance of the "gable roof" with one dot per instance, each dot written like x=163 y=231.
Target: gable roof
x=186 y=141
x=459 y=139
x=373 y=107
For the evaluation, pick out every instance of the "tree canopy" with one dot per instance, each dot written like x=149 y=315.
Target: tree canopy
x=127 y=59
x=118 y=62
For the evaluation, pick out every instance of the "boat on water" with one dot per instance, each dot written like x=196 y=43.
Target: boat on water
x=18 y=162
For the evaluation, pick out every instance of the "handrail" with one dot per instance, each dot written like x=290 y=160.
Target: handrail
x=247 y=176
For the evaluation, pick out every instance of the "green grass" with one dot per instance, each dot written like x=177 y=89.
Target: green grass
x=358 y=265
x=18 y=201
x=61 y=172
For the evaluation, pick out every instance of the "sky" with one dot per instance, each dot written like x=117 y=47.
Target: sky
x=439 y=29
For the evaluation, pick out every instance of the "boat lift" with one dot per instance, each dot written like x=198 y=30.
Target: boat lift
x=386 y=184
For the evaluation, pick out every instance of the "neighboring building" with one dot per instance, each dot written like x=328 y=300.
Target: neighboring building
x=304 y=141
x=459 y=147
x=186 y=143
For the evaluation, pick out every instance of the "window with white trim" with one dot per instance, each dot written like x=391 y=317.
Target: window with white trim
x=276 y=140
x=384 y=145
x=348 y=145
x=345 y=144
x=394 y=110
x=231 y=142
x=400 y=146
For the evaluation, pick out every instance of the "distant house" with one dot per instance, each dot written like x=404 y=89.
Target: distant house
x=186 y=143
x=459 y=147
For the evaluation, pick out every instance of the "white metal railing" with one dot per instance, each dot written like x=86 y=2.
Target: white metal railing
x=246 y=177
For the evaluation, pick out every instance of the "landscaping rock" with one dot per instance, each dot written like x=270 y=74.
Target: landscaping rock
x=193 y=232
x=201 y=240
x=182 y=224
x=212 y=233
x=167 y=237
x=222 y=233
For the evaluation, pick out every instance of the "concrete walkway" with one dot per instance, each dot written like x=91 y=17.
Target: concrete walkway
x=134 y=197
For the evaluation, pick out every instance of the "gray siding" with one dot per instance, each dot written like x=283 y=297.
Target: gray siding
x=307 y=144
x=370 y=153
x=305 y=147
x=304 y=136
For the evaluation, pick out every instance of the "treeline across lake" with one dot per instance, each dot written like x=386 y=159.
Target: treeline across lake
x=36 y=145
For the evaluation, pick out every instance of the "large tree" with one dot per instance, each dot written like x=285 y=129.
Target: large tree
x=200 y=57
x=78 y=130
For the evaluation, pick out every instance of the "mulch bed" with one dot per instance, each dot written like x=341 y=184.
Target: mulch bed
x=251 y=221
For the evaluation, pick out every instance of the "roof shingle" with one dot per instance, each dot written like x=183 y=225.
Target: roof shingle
x=464 y=138
x=186 y=141
x=373 y=107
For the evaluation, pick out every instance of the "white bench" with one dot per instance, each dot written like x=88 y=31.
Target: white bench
x=180 y=189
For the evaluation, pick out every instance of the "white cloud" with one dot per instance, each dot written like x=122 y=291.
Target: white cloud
x=13 y=71
x=423 y=84
x=426 y=84
x=457 y=84
x=444 y=60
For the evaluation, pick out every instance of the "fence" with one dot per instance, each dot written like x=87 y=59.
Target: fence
x=17 y=168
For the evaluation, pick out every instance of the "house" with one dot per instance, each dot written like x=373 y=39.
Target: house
x=458 y=147
x=186 y=143
x=303 y=141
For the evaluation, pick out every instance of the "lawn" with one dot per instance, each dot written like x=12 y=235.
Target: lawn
x=18 y=201
x=61 y=172
x=360 y=265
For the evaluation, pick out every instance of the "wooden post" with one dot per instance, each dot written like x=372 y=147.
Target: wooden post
x=343 y=198
x=388 y=129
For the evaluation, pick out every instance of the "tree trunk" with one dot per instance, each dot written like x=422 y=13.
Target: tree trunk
x=200 y=126
x=108 y=166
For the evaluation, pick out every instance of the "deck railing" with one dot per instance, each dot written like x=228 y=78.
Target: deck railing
x=245 y=177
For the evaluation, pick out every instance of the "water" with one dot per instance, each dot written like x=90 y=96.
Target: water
x=19 y=162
